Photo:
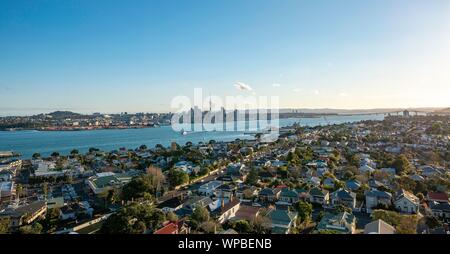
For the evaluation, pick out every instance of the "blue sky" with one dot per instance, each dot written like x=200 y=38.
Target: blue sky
x=113 y=56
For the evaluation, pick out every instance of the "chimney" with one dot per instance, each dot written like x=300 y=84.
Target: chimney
x=223 y=202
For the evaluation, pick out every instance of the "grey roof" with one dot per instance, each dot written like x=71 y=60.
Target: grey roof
x=266 y=192
x=379 y=194
x=343 y=194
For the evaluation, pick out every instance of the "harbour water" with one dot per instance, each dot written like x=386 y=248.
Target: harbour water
x=45 y=142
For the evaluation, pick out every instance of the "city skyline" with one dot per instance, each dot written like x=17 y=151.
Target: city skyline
x=106 y=56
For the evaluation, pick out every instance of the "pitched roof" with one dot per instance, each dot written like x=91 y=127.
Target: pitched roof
x=440 y=206
x=408 y=195
x=170 y=228
x=289 y=193
x=438 y=196
x=317 y=192
x=232 y=203
x=341 y=222
x=173 y=202
x=379 y=227
x=343 y=194
x=283 y=217
x=379 y=194
x=246 y=212
x=266 y=192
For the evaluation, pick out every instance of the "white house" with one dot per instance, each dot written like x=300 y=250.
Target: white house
x=209 y=188
x=407 y=202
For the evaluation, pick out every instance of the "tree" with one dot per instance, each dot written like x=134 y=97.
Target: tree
x=112 y=196
x=4 y=225
x=36 y=228
x=158 y=177
x=138 y=187
x=45 y=189
x=262 y=224
x=293 y=158
x=242 y=227
x=177 y=177
x=200 y=214
x=327 y=232
x=320 y=216
x=209 y=227
x=248 y=194
x=19 y=190
x=74 y=152
x=252 y=177
x=304 y=210
x=36 y=156
x=55 y=154
x=172 y=216
x=401 y=164
x=420 y=196
x=404 y=224
x=134 y=218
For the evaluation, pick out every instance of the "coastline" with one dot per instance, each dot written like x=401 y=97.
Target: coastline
x=50 y=129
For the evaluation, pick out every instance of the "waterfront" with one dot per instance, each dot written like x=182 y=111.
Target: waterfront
x=46 y=142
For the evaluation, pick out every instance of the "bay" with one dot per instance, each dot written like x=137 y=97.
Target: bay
x=45 y=142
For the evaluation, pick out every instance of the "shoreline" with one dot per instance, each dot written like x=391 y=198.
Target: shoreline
x=50 y=129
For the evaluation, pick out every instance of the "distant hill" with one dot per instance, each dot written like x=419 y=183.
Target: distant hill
x=445 y=110
x=353 y=111
x=64 y=114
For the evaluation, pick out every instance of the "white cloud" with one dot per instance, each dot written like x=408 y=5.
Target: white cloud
x=342 y=94
x=316 y=92
x=276 y=85
x=297 y=90
x=243 y=87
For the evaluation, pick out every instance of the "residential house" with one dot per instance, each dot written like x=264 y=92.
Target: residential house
x=172 y=204
x=366 y=168
x=247 y=212
x=375 y=197
x=282 y=221
x=344 y=223
x=225 y=191
x=407 y=202
x=343 y=197
x=440 y=197
x=390 y=171
x=329 y=182
x=75 y=210
x=227 y=210
x=191 y=204
x=440 y=210
x=101 y=183
x=25 y=214
x=289 y=196
x=375 y=184
x=209 y=188
x=7 y=191
x=352 y=185
x=319 y=196
x=269 y=195
x=303 y=194
x=243 y=190
x=173 y=228
x=314 y=180
x=379 y=227
x=429 y=171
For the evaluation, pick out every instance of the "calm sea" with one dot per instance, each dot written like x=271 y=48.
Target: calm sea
x=46 y=142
